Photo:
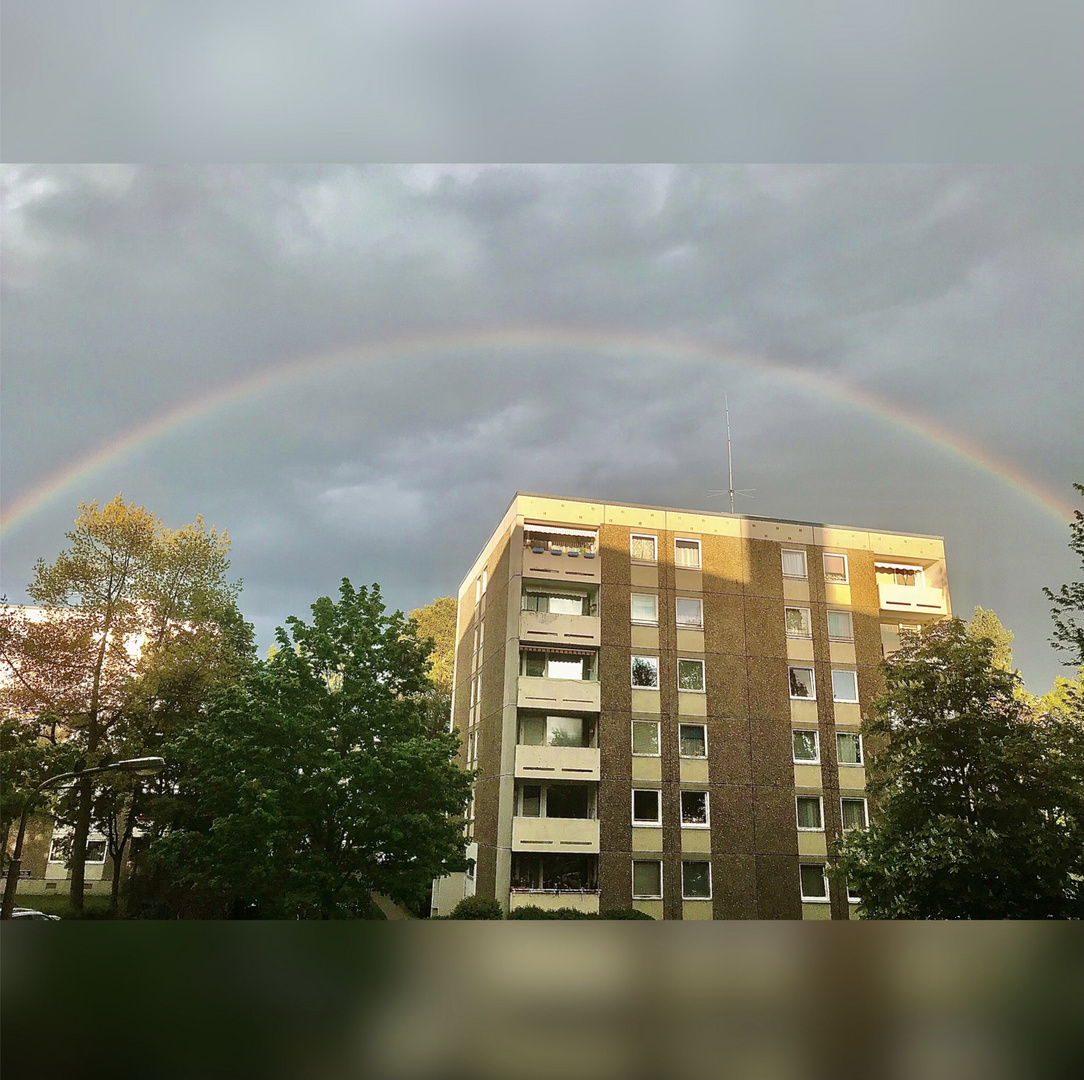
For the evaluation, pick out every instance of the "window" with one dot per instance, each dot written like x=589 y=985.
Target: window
x=814 y=883
x=810 y=817
x=645 y=609
x=645 y=738
x=558 y=603
x=835 y=568
x=691 y=675
x=910 y=628
x=61 y=848
x=807 y=749
x=646 y=807
x=844 y=686
x=531 y=801
x=687 y=554
x=848 y=748
x=696 y=881
x=556 y=801
x=840 y=626
x=643 y=548
x=95 y=850
x=561 y=664
x=694 y=809
x=890 y=574
x=801 y=683
x=851 y=898
x=537 y=730
x=693 y=740
x=646 y=880
x=645 y=672
x=798 y=621
x=854 y=814
x=794 y=564
x=690 y=613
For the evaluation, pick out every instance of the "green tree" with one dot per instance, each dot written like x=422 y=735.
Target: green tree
x=985 y=624
x=1068 y=602
x=979 y=797
x=316 y=781
x=436 y=621
x=129 y=621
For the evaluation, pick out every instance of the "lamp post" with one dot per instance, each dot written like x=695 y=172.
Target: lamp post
x=145 y=766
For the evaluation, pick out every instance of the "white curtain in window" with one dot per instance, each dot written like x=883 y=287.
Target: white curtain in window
x=794 y=564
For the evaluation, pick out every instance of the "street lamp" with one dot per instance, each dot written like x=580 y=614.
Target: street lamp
x=142 y=766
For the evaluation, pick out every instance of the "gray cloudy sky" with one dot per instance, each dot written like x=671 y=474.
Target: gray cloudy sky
x=955 y=293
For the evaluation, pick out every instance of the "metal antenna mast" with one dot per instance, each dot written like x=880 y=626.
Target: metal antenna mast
x=747 y=492
x=729 y=455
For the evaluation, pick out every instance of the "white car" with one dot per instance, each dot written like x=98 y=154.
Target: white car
x=30 y=913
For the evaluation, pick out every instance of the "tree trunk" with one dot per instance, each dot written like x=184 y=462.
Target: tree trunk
x=118 y=856
x=79 y=845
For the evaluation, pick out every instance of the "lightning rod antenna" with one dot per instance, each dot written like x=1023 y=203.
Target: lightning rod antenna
x=729 y=455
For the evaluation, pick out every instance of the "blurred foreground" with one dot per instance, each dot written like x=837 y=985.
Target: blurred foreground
x=472 y=1000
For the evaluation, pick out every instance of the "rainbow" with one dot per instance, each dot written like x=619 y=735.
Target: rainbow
x=69 y=478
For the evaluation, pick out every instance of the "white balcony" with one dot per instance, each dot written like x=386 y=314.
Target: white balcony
x=574 y=694
x=557 y=762
x=555 y=629
x=585 y=900
x=564 y=567
x=913 y=599
x=564 y=835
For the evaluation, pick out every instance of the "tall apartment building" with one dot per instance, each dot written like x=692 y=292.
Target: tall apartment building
x=664 y=705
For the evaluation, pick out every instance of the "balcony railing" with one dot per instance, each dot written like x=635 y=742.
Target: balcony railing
x=561 y=564
x=575 y=694
x=914 y=599
x=585 y=900
x=557 y=762
x=564 y=835
x=555 y=629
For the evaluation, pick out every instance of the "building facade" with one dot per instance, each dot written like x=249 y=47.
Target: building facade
x=663 y=705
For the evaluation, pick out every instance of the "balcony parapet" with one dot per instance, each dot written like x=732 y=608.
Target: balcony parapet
x=550 y=566
x=913 y=599
x=573 y=694
x=557 y=762
x=541 y=626
x=563 y=835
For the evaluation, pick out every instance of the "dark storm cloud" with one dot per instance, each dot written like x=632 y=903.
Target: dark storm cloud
x=953 y=291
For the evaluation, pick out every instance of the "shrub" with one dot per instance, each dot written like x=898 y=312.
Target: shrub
x=625 y=913
x=531 y=911
x=477 y=907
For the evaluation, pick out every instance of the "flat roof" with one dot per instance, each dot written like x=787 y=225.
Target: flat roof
x=718 y=514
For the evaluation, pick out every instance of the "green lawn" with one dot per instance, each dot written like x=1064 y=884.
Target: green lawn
x=96 y=906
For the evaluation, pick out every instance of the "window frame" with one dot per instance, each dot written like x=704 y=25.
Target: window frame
x=861 y=762
x=865 y=811
x=813 y=680
x=645 y=896
x=816 y=742
x=706 y=823
x=658 y=738
x=850 y=620
x=689 y=626
x=696 y=862
x=693 y=757
x=826 y=898
x=820 y=804
x=703 y=675
x=846 y=568
x=699 y=553
x=845 y=671
x=642 y=622
x=654 y=560
x=658 y=674
x=808 y=635
x=644 y=823
x=851 y=898
x=805 y=564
